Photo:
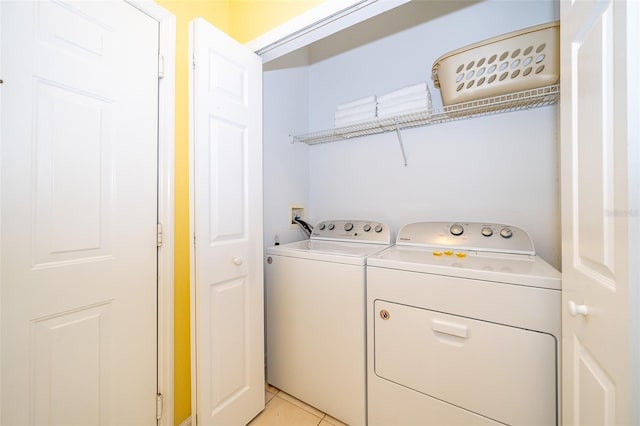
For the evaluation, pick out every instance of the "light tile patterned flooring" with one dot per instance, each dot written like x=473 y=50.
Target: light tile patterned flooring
x=284 y=410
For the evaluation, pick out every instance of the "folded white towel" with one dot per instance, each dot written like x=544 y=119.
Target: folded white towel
x=369 y=108
x=421 y=110
x=404 y=108
x=405 y=99
x=408 y=90
x=357 y=102
x=354 y=118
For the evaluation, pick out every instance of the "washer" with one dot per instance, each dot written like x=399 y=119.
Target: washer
x=316 y=315
x=463 y=323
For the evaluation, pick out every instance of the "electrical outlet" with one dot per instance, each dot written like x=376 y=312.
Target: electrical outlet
x=295 y=211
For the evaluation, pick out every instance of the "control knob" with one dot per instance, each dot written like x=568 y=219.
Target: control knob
x=331 y=226
x=486 y=231
x=378 y=228
x=322 y=226
x=456 y=229
x=367 y=228
x=506 y=233
x=348 y=226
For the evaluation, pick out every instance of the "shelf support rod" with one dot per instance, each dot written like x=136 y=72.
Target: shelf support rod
x=404 y=156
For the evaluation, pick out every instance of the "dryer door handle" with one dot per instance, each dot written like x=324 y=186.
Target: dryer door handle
x=448 y=327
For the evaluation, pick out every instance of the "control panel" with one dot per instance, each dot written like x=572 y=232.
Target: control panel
x=476 y=236
x=360 y=231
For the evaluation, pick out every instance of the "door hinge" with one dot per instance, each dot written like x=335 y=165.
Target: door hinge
x=160 y=66
x=159 y=235
x=158 y=406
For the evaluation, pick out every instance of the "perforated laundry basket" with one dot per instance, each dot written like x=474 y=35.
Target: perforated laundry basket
x=521 y=60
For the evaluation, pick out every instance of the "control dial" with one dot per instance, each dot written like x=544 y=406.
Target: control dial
x=456 y=229
x=367 y=228
x=322 y=226
x=348 y=226
x=331 y=226
x=506 y=233
x=486 y=231
x=378 y=228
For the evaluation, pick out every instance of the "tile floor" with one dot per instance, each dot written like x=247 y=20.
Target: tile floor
x=284 y=410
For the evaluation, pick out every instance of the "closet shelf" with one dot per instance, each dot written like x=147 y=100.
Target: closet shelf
x=526 y=99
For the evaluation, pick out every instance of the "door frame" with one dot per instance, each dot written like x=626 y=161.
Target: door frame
x=323 y=20
x=166 y=204
x=633 y=105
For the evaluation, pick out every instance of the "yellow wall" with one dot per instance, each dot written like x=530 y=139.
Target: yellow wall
x=244 y=20
x=251 y=18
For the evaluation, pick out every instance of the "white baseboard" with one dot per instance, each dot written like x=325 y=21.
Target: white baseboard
x=186 y=422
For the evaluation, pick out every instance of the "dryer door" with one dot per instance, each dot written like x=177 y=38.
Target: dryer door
x=505 y=373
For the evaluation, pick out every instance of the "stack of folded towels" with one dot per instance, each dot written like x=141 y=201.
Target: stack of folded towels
x=359 y=110
x=406 y=100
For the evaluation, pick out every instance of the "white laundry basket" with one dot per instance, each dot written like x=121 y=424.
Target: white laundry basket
x=513 y=62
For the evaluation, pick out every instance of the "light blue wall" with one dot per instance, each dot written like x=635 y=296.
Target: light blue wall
x=502 y=168
x=286 y=166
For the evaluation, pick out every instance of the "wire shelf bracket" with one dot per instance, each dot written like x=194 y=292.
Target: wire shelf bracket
x=404 y=155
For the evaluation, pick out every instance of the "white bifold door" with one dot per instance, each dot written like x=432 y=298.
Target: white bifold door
x=600 y=201
x=226 y=183
x=79 y=213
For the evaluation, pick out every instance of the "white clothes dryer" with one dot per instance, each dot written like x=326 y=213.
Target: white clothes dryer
x=316 y=315
x=463 y=323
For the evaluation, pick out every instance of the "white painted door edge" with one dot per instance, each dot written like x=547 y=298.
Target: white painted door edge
x=166 y=202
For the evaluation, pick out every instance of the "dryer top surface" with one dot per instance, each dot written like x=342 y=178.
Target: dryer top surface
x=528 y=270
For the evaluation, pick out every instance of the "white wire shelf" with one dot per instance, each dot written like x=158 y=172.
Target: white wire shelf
x=527 y=99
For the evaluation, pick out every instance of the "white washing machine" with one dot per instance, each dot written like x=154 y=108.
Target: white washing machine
x=463 y=323
x=316 y=315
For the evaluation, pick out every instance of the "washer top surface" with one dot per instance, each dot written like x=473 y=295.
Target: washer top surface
x=342 y=241
x=490 y=252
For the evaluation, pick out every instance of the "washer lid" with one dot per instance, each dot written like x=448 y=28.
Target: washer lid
x=330 y=251
x=528 y=270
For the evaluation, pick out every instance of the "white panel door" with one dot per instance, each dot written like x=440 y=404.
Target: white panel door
x=597 y=210
x=79 y=213
x=226 y=96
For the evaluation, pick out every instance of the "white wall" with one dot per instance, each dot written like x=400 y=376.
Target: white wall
x=286 y=166
x=502 y=168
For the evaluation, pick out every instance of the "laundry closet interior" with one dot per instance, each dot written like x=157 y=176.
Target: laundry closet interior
x=502 y=168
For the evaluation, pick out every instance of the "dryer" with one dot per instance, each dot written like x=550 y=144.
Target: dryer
x=315 y=316
x=463 y=328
